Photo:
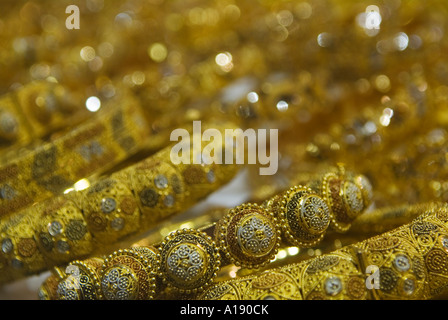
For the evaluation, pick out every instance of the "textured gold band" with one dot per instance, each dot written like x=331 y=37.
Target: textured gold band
x=118 y=131
x=36 y=110
x=123 y=205
x=411 y=262
x=249 y=235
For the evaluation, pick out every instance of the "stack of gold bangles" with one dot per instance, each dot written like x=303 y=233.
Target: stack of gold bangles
x=37 y=110
x=187 y=260
x=354 y=97
x=409 y=262
x=115 y=208
x=95 y=146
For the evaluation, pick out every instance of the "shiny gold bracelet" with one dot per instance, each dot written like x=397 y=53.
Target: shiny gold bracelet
x=113 y=135
x=346 y=193
x=410 y=263
x=350 y=110
x=114 y=209
x=384 y=219
x=36 y=110
x=70 y=286
x=188 y=260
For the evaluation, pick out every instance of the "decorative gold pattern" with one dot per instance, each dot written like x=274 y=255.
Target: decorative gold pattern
x=406 y=268
x=81 y=281
x=188 y=260
x=129 y=274
x=89 y=149
x=249 y=235
x=304 y=216
x=79 y=223
x=362 y=84
x=36 y=110
x=345 y=200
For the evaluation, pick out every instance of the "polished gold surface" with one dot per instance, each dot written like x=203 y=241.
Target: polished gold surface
x=346 y=102
x=410 y=260
x=124 y=205
x=247 y=236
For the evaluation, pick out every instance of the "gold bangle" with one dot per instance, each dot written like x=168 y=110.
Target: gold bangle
x=303 y=214
x=79 y=281
x=125 y=275
x=112 y=136
x=411 y=263
x=94 y=220
x=37 y=110
x=249 y=236
x=385 y=219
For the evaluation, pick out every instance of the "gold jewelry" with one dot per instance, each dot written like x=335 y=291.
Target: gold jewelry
x=304 y=216
x=345 y=199
x=384 y=115
x=410 y=260
x=80 y=281
x=95 y=146
x=385 y=219
x=126 y=275
x=36 y=110
x=48 y=289
x=188 y=260
x=248 y=235
x=123 y=205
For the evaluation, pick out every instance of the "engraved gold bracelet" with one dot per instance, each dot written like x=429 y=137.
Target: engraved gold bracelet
x=188 y=260
x=410 y=263
x=123 y=205
x=36 y=110
x=113 y=135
